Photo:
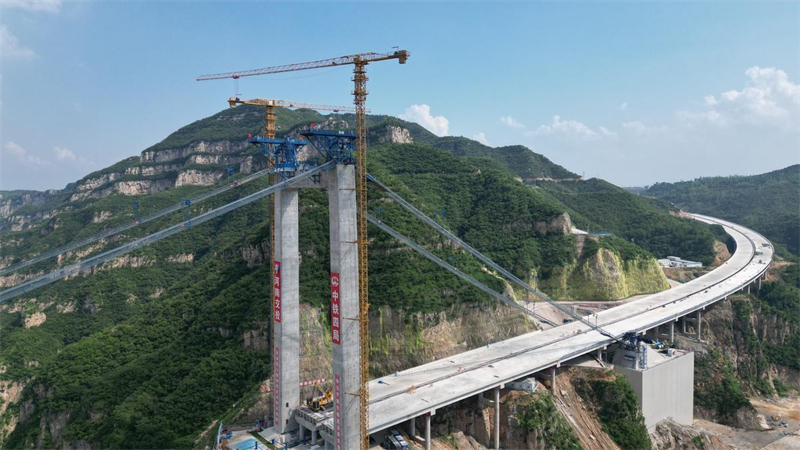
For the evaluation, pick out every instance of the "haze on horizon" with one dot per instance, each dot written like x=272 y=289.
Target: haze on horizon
x=634 y=93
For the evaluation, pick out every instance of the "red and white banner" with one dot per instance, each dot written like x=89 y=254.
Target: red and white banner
x=276 y=290
x=336 y=318
x=337 y=408
x=276 y=382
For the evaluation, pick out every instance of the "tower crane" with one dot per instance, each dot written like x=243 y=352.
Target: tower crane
x=360 y=61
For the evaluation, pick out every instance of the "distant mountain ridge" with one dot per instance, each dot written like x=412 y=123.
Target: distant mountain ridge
x=768 y=203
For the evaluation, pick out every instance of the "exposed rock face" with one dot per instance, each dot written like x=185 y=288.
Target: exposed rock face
x=101 y=216
x=220 y=147
x=148 y=171
x=194 y=177
x=560 y=224
x=34 y=320
x=17 y=278
x=127 y=261
x=400 y=341
x=9 y=205
x=136 y=187
x=142 y=187
x=670 y=435
x=23 y=221
x=606 y=276
x=182 y=258
x=728 y=329
x=396 y=135
x=259 y=338
x=91 y=184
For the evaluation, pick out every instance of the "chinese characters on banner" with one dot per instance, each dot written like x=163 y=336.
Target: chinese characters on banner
x=337 y=408
x=336 y=324
x=276 y=290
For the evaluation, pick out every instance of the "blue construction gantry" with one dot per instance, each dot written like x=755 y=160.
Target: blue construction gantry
x=333 y=145
x=283 y=153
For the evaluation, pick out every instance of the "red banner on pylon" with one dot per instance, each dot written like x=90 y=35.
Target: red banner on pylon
x=336 y=320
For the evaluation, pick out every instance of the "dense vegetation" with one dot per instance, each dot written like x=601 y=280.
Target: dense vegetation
x=717 y=389
x=598 y=206
x=150 y=353
x=540 y=417
x=618 y=410
x=768 y=203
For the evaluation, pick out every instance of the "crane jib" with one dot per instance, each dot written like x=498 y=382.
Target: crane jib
x=363 y=58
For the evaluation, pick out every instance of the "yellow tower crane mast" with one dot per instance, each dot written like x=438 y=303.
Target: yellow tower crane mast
x=360 y=61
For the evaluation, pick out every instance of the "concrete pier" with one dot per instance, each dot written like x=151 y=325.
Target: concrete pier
x=497 y=418
x=345 y=306
x=412 y=428
x=427 y=431
x=286 y=307
x=672 y=331
x=699 y=321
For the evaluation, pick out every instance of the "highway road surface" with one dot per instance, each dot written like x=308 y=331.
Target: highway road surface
x=398 y=397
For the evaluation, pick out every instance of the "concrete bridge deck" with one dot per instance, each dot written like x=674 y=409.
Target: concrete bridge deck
x=397 y=398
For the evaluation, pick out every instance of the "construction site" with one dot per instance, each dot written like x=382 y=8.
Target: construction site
x=349 y=410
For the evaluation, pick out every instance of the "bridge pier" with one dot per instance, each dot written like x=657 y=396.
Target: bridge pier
x=412 y=427
x=286 y=311
x=672 y=331
x=427 y=431
x=497 y=418
x=699 y=321
x=683 y=323
x=345 y=324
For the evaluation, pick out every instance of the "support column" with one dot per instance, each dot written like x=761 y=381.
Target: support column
x=699 y=320
x=683 y=322
x=497 y=418
x=286 y=307
x=412 y=427
x=301 y=432
x=748 y=288
x=759 y=284
x=314 y=437
x=345 y=326
x=672 y=331
x=553 y=380
x=427 y=431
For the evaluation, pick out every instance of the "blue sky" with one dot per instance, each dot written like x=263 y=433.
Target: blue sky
x=631 y=92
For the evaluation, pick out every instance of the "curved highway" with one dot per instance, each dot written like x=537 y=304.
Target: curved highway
x=423 y=389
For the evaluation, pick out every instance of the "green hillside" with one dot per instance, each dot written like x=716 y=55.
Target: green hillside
x=599 y=206
x=158 y=344
x=768 y=203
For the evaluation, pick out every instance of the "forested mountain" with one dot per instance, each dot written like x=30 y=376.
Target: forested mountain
x=147 y=350
x=768 y=203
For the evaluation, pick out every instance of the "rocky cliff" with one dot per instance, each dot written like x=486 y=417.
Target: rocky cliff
x=605 y=275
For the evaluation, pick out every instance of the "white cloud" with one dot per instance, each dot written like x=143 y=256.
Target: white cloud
x=22 y=155
x=570 y=128
x=481 y=137
x=768 y=99
x=64 y=154
x=623 y=106
x=48 y=6
x=638 y=127
x=421 y=114
x=606 y=132
x=511 y=122
x=10 y=47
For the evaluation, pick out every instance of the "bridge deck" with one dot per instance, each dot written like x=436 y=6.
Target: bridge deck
x=413 y=392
